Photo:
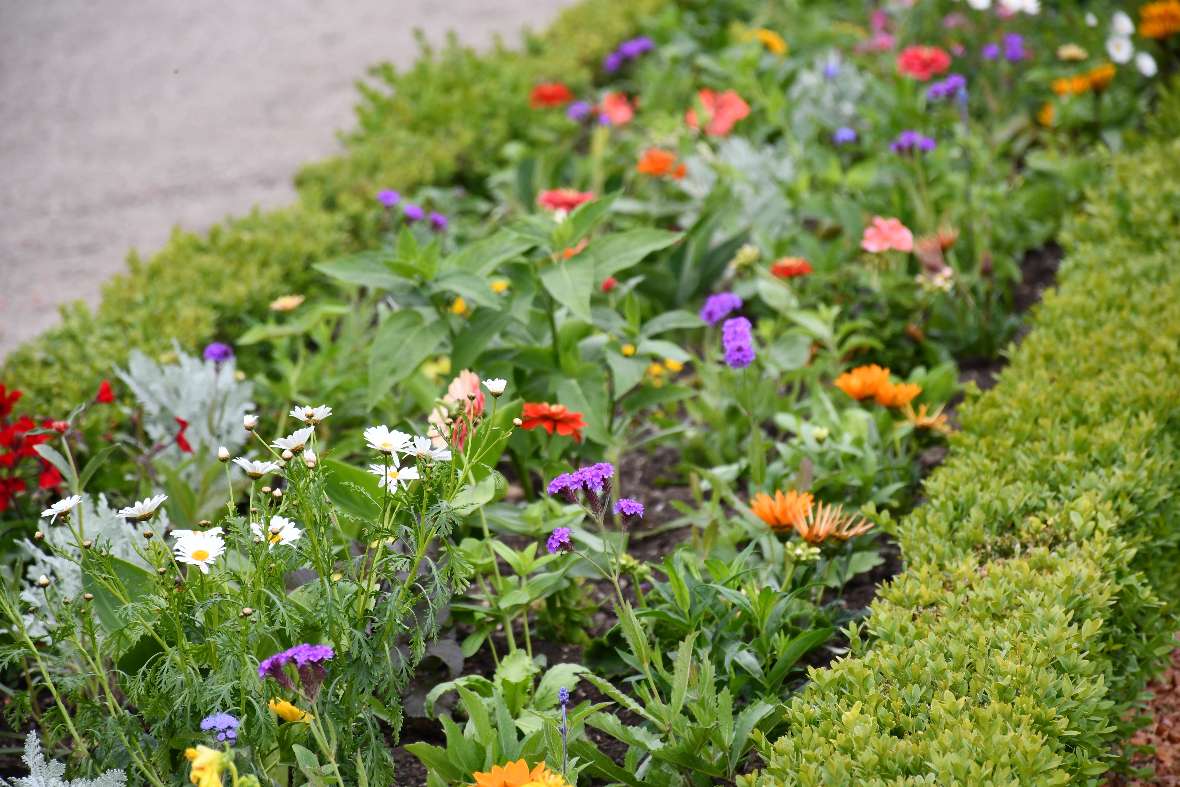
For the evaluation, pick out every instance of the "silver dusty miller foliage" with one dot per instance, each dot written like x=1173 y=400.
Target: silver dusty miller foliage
x=825 y=96
x=51 y=773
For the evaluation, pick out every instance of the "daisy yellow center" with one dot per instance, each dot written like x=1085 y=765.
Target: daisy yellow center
x=275 y=538
x=200 y=554
x=392 y=474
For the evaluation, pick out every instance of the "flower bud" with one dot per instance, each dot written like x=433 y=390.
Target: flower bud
x=42 y=581
x=149 y=534
x=309 y=459
x=287 y=455
x=249 y=422
x=517 y=422
x=88 y=597
x=246 y=612
x=277 y=494
x=67 y=601
x=204 y=523
x=162 y=570
x=222 y=454
x=266 y=490
x=38 y=536
x=87 y=544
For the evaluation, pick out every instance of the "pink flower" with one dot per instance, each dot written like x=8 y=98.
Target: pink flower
x=465 y=390
x=887 y=235
x=465 y=395
x=723 y=110
x=616 y=109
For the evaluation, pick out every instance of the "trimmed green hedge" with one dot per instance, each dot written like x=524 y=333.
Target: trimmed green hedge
x=1041 y=586
x=442 y=121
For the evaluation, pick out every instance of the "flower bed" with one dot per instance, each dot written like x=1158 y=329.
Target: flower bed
x=718 y=284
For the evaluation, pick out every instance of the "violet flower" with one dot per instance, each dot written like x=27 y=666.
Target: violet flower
x=738 y=342
x=946 y=88
x=579 y=111
x=844 y=135
x=1014 y=50
x=388 y=197
x=225 y=725
x=218 y=352
x=991 y=51
x=629 y=509
x=719 y=306
x=559 y=541
x=438 y=222
x=911 y=141
x=413 y=212
x=566 y=486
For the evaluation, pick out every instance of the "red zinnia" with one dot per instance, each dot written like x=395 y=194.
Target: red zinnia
x=563 y=199
x=181 y=441
x=790 y=267
x=923 y=62
x=105 y=394
x=50 y=477
x=550 y=94
x=723 y=110
x=553 y=418
x=7 y=400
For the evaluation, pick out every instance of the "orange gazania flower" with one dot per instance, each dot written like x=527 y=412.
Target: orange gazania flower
x=782 y=511
x=935 y=422
x=863 y=382
x=517 y=774
x=790 y=267
x=553 y=418
x=1160 y=19
x=825 y=521
x=897 y=394
x=660 y=163
x=550 y=94
x=723 y=110
x=563 y=199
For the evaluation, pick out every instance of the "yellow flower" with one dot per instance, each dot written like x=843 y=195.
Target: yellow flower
x=673 y=365
x=285 y=303
x=459 y=306
x=770 y=39
x=288 y=712
x=628 y=350
x=499 y=286
x=206 y=767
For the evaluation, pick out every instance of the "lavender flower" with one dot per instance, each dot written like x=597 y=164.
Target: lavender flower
x=218 y=352
x=563 y=696
x=1014 y=50
x=308 y=660
x=413 y=212
x=627 y=51
x=832 y=69
x=991 y=51
x=738 y=342
x=718 y=307
x=438 y=221
x=225 y=725
x=563 y=699
x=273 y=666
x=946 y=88
x=910 y=141
x=579 y=111
x=844 y=136
x=629 y=509
x=595 y=478
x=388 y=197
x=565 y=485
x=612 y=62
x=559 y=541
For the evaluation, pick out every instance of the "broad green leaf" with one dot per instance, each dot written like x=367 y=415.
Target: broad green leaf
x=618 y=252
x=484 y=256
x=54 y=457
x=677 y=319
x=571 y=282
x=367 y=269
x=404 y=340
x=627 y=372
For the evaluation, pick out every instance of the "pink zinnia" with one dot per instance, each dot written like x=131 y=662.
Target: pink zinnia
x=887 y=235
x=723 y=111
x=617 y=109
x=563 y=199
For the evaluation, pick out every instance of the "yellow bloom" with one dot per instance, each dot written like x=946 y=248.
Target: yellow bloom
x=285 y=303
x=459 y=306
x=770 y=39
x=673 y=365
x=935 y=422
x=206 y=767
x=628 y=350
x=499 y=286
x=1071 y=53
x=288 y=712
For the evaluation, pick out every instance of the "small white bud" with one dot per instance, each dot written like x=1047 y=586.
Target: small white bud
x=277 y=493
x=287 y=455
x=309 y=458
x=249 y=422
x=222 y=454
x=42 y=581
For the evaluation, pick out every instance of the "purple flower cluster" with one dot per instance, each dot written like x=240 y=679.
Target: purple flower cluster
x=844 y=135
x=563 y=696
x=218 y=352
x=738 y=342
x=413 y=212
x=594 y=480
x=718 y=307
x=388 y=197
x=946 y=88
x=579 y=111
x=628 y=508
x=438 y=222
x=225 y=725
x=910 y=141
x=627 y=51
x=308 y=660
x=1014 y=49
x=559 y=541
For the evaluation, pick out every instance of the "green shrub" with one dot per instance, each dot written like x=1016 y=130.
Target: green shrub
x=1033 y=608
x=444 y=120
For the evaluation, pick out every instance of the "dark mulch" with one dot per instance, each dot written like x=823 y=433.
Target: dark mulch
x=1155 y=749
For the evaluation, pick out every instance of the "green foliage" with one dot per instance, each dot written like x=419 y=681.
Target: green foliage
x=1034 y=607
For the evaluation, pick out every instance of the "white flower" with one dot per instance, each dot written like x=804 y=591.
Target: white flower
x=198 y=547
x=380 y=438
x=1120 y=49
x=249 y=421
x=222 y=454
x=142 y=510
x=980 y=5
x=1146 y=64
x=281 y=531
x=311 y=415
x=295 y=441
x=394 y=475
x=1121 y=24
x=256 y=469
x=1031 y=7
x=309 y=458
x=424 y=448
x=1091 y=20
x=62 y=507
x=495 y=386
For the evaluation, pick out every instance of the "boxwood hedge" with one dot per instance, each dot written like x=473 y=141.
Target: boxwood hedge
x=1041 y=583
x=444 y=120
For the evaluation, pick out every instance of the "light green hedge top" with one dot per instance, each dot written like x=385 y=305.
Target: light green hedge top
x=1033 y=608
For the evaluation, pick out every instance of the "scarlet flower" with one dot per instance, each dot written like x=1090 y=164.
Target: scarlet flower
x=723 y=109
x=617 y=109
x=923 y=62
x=609 y=283
x=563 y=199
x=181 y=441
x=105 y=394
x=50 y=477
x=553 y=418
x=790 y=267
x=550 y=94
x=8 y=400
x=660 y=163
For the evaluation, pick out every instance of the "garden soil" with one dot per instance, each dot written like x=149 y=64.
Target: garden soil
x=121 y=120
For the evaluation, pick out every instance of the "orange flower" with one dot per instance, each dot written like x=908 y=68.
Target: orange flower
x=863 y=382
x=1101 y=77
x=1046 y=114
x=782 y=511
x=660 y=163
x=1160 y=19
x=723 y=110
x=553 y=418
x=897 y=395
x=790 y=267
x=550 y=94
x=563 y=199
x=824 y=521
x=617 y=109
x=517 y=774
x=575 y=250
x=936 y=421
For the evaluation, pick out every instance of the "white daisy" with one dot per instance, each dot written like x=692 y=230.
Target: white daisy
x=199 y=547
x=311 y=415
x=1091 y=20
x=496 y=385
x=380 y=438
x=1031 y=7
x=1146 y=64
x=295 y=441
x=62 y=507
x=1120 y=49
x=1121 y=24
x=980 y=5
x=394 y=475
x=424 y=448
x=256 y=469
x=249 y=421
x=280 y=531
x=142 y=510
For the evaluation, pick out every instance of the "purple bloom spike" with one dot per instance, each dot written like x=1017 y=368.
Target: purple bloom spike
x=738 y=343
x=559 y=541
x=719 y=306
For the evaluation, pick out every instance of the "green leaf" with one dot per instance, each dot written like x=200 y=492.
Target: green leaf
x=601 y=765
x=556 y=677
x=571 y=282
x=93 y=465
x=572 y=395
x=627 y=372
x=403 y=341
x=309 y=765
x=677 y=319
x=681 y=672
x=479 y=331
x=620 y=251
x=367 y=269
x=747 y=720
x=796 y=649
x=484 y=256
x=354 y=490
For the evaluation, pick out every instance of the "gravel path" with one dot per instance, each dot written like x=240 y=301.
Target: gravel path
x=123 y=118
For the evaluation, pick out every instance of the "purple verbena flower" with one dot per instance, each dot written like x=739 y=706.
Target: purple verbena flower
x=272 y=666
x=844 y=135
x=579 y=111
x=946 y=88
x=635 y=47
x=991 y=51
x=738 y=342
x=438 y=221
x=628 y=508
x=388 y=197
x=559 y=541
x=565 y=485
x=225 y=725
x=594 y=478
x=413 y=212
x=1014 y=50
x=306 y=654
x=218 y=352
x=719 y=306
x=911 y=141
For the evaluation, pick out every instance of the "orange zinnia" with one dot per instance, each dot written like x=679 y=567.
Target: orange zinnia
x=897 y=394
x=790 y=267
x=660 y=163
x=1160 y=19
x=553 y=418
x=863 y=382
x=1101 y=77
x=824 y=521
x=517 y=774
x=782 y=511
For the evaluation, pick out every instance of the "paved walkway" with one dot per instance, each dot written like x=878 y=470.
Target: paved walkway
x=122 y=118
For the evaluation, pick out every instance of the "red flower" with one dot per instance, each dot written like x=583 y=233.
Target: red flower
x=563 y=199
x=105 y=394
x=617 y=109
x=50 y=477
x=550 y=94
x=923 y=62
x=553 y=418
x=7 y=400
x=9 y=487
x=790 y=267
x=609 y=283
x=181 y=441
x=723 y=110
